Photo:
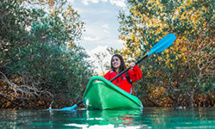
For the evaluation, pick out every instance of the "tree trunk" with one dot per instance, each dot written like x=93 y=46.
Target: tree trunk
x=191 y=99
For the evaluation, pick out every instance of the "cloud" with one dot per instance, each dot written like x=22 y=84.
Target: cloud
x=120 y=42
x=98 y=34
x=85 y=2
x=89 y=38
x=120 y=3
x=72 y=1
x=97 y=50
x=106 y=32
x=101 y=24
x=105 y=26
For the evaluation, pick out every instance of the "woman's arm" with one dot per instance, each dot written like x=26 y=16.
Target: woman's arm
x=135 y=74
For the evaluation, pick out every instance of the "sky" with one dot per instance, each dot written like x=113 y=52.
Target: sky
x=101 y=25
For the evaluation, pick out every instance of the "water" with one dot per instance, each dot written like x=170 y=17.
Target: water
x=152 y=118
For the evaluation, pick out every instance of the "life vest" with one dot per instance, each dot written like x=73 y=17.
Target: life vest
x=134 y=74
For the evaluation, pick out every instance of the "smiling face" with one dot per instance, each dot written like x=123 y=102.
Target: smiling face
x=116 y=62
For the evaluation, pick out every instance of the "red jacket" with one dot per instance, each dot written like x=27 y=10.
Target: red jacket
x=135 y=74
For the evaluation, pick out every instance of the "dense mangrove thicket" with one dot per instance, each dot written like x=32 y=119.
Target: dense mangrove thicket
x=184 y=74
x=40 y=61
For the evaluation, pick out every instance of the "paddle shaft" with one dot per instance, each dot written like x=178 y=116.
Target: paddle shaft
x=121 y=73
x=80 y=103
x=125 y=70
x=163 y=44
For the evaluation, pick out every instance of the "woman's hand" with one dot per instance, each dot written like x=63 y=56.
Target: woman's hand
x=132 y=65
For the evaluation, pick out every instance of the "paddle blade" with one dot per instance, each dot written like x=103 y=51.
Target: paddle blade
x=69 y=108
x=163 y=44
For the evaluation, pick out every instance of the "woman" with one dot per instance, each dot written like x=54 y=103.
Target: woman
x=117 y=66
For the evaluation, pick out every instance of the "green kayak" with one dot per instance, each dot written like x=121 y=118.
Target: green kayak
x=102 y=94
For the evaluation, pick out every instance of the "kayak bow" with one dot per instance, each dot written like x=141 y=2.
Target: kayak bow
x=102 y=94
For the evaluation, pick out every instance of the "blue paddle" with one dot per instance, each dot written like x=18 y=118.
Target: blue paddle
x=160 y=46
x=71 y=108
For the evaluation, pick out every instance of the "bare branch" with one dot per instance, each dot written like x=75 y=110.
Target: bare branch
x=21 y=92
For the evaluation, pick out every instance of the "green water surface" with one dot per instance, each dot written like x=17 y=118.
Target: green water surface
x=148 y=118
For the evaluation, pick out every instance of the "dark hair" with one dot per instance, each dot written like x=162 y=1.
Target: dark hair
x=122 y=66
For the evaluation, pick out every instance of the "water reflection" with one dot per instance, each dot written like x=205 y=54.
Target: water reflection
x=117 y=118
x=154 y=118
x=180 y=118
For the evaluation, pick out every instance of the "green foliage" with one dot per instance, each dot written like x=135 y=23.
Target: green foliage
x=41 y=45
x=187 y=68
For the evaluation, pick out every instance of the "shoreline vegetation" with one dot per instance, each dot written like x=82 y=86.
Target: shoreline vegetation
x=42 y=64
